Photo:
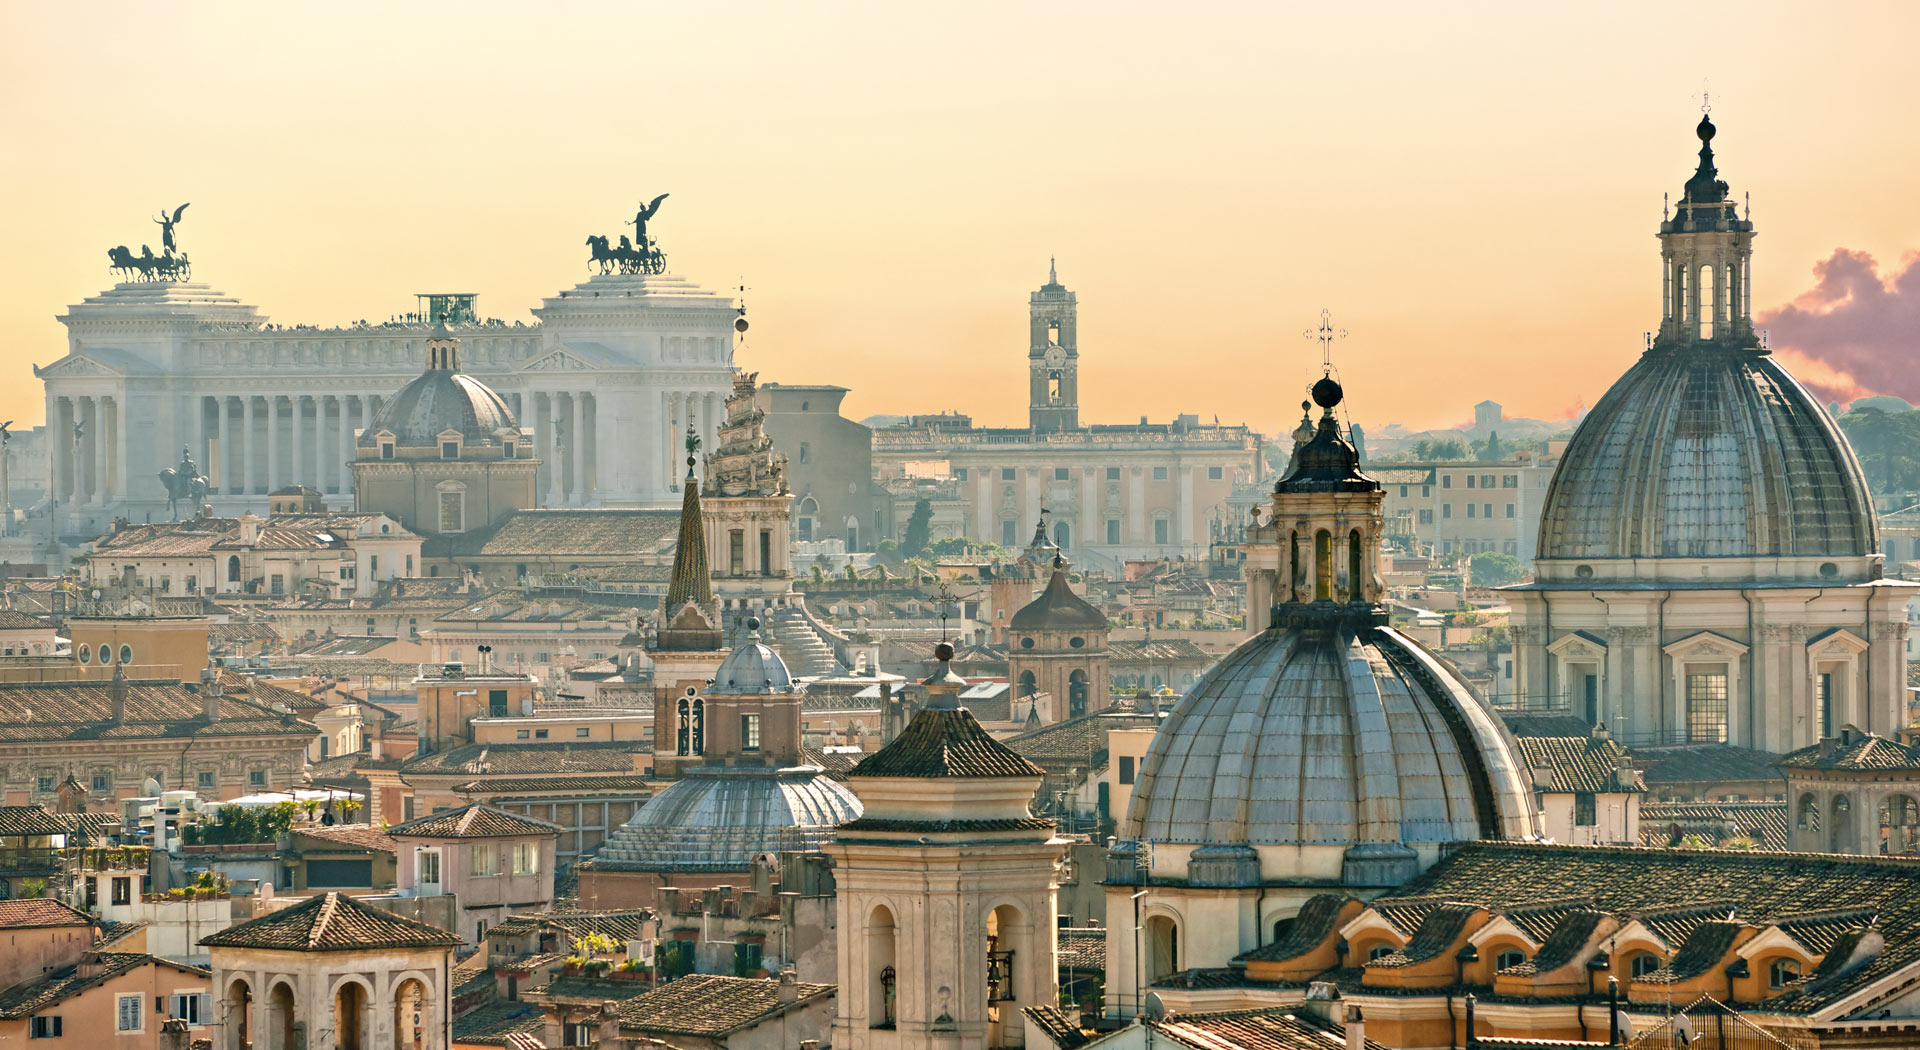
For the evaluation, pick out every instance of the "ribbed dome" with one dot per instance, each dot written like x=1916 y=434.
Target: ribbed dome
x=752 y=669
x=1706 y=451
x=436 y=401
x=1335 y=736
x=722 y=819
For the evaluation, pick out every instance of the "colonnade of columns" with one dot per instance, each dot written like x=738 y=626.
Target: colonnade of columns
x=89 y=450
x=253 y=444
x=704 y=411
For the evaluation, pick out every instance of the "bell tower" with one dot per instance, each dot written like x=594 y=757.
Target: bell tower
x=1706 y=253
x=1053 y=358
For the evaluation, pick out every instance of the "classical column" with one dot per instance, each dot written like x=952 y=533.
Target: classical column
x=1185 y=512
x=203 y=437
x=1089 y=526
x=582 y=446
x=226 y=447
x=346 y=443
x=320 y=443
x=557 y=443
x=246 y=444
x=297 y=470
x=672 y=415
x=109 y=438
x=1137 y=507
x=273 y=442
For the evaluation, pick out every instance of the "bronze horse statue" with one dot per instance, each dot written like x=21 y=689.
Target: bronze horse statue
x=624 y=259
x=147 y=266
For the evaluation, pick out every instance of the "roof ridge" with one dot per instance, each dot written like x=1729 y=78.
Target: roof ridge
x=320 y=922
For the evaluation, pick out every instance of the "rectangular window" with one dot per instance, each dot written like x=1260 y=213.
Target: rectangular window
x=959 y=473
x=195 y=1008
x=257 y=778
x=1509 y=510
x=1486 y=481
x=1113 y=473
x=749 y=732
x=1470 y=478
x=736 y=551
x=1446 y=510
x=128 y=1012
x=539 y=734
x=1126 y=769
x=1006 y=473
x=483 y=858
x=450 y=512
x=386 y=450
x=497 y=703
x=123 y=890
x=1707 y=708
x=1446 y=481
x=1403 y=491
x=510 y=448
x=1426 y=492
x=582 y=733
x=1426 y=517
x=44 y=1027
x=523 y=734
x=1471 y=507
x=1509 y=481
x=1585 y=813
x=1823 y=703
x=449 y=450
x=278 y=584
x=1062 y=473
x=1159 y=473
x=526 y=858
x=204 y=780
x=373 y=566
x=1216 y=473
x=1160 y=530
x=1009 y=533
x=102 y=783
x=1113 y=531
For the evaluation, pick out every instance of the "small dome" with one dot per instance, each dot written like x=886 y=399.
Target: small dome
x=1703 y=451
x=1355 y=738
x=752 y=669
x=1058 y=608
x=721 y=820
x=435 y=402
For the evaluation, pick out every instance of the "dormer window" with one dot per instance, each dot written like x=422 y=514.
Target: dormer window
x=449 y=450
x=510 y=449
x=386 y=450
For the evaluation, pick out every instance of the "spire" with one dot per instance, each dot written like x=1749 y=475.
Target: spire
x=1053 y=273
x=691 y=581
x=1707 y=254
x=1705 y=187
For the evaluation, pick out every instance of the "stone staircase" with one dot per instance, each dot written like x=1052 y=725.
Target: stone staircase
x=807 y=654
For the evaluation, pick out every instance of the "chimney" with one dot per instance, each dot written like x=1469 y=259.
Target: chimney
x=609 y=1023
x=1356 y=1029
x=379 y=748
x=1600 y=731
x=174 y=1034
x=789 y=990
x=249 y=529
x=210 y=690
x=117 y=693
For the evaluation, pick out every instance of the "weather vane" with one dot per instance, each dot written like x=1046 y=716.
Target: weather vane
x=943 y=604
x=1326 y=333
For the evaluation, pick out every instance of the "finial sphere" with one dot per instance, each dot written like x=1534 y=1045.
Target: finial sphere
x=1705 y=130
x=753 y=623
x=739 y=324
x=943 y=652
x=1326 y=392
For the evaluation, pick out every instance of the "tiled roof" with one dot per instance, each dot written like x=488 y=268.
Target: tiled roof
x=23 y=1000
x=589 y=784
x=1061 y=1033
x=1854 y=751
x=513 y=607
x=180 y=539
x=945 y=742
x=1157 y=650
x=1580 y=763
x=37 y=913
x=492 y=1024
x=1437 y=931
x=355 y=836
x=472 y=821
x=595 y=756
x=1305 y=931
x=1058 y=608
x=1765 y=822
x=1083 y=949
x=625 y=925
x=1272 y=1028
x=331 y=923
x=88 y=825
x=711 y=1006
x=28 y=820
x=269 y=694
x=1562 y=945
x=15 y=620
x=1524 y=723
x=565 y=533
x=1076 y=739
x=1705 y=763
x=79 y=711
x=1758 y=887
x=1704 y=947
x=1818 y=932
x=960 y=827
x=1538 y=921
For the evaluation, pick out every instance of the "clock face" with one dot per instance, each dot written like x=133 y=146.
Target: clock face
x=1056 y=357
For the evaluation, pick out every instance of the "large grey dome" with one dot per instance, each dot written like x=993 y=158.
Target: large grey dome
x=752 y=669
x=721 y=819
x=441 y=399
x=1331 y=736
x=1707 y=451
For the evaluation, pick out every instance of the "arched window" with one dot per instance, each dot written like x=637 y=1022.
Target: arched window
x=1781 y=973
x=1809 y=816
x=1709 y=302
x=1379 y=951
x=1028 y=684
x=1163 y=947
x=233 y=568
x=1323 y=566
x=690 y=729
x=882 y=936
x=1899 y=825
x=1510 y=957
x=1840 y=834
x=350 y=1016
x=1643 y=964
x=1076 y=694
x=1294 y=580
x=1355 y=592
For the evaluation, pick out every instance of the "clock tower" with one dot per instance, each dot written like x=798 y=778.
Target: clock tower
x=1053 y=358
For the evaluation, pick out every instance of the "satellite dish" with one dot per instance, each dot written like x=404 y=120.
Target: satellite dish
x=151 y=788
x=1154 y=1010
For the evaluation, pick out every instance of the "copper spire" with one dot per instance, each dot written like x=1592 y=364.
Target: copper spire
x=691 y=580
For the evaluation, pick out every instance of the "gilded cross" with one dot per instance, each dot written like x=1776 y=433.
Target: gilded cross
x=1326 y=333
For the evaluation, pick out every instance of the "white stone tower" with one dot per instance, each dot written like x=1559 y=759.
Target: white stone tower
x=945 y=888
x=1053 y=359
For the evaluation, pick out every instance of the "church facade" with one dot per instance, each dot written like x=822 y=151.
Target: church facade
x=606 y=380
x=1114 y=492
x=1708 y=567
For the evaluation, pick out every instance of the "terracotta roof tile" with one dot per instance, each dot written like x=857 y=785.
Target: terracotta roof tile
x=23 y=1000
x=331 y=923
x=1705 y=763
x=635 y=784
x=711 y=1006
x=38 y=913
x=597 y=756
x=29 y=820
x=1306 y=930
x=1076 y=739
x=565 y=533
x=356 y=836
x=1273 y=1028
x=77 y=711
x=1576 y=764
x=1719 y=822
x=945 y=742
x=472 y=821
x=1854 y=750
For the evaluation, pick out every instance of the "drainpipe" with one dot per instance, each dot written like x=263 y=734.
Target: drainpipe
x=1613 y=1011
x=1460 y=960
x=1472 y=1039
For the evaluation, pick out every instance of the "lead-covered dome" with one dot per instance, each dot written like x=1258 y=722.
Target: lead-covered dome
x=439 y=400
x=1703 y=450
x=719 y=820
x=1349 y=737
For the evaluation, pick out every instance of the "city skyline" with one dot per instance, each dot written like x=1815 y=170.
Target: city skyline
x=1203 y=215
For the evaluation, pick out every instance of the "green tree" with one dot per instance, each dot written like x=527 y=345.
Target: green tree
x=919 y=530
x=1494 y=570
x=1448 y=449
x=1492 y=449
x=1422 y=449
x=1888 y=444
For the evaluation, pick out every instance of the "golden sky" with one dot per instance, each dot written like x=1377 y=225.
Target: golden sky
x=1472 y=189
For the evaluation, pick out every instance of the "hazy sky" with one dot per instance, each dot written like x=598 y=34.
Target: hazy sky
x=1472 y=189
